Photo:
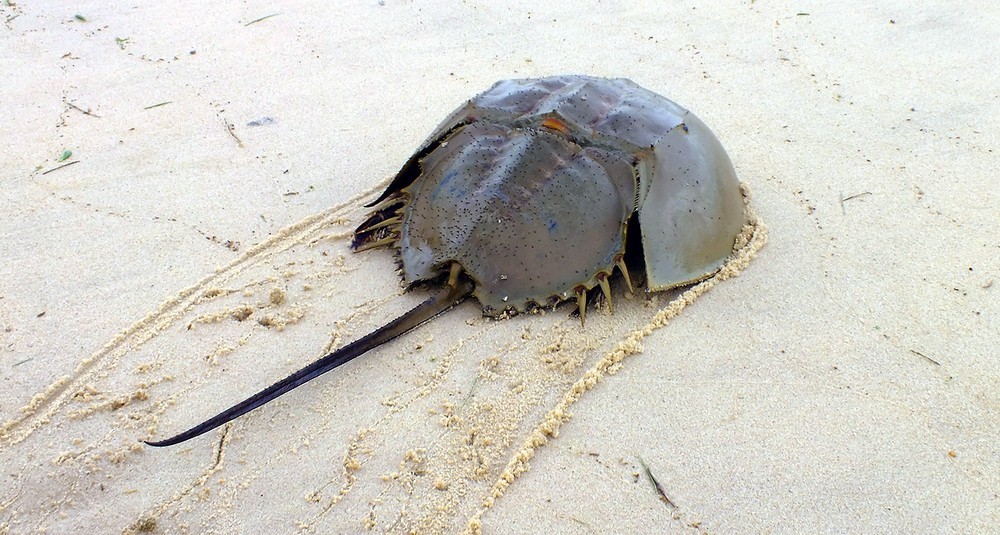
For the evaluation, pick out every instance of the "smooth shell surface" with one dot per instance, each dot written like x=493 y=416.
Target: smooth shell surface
x=530 y=185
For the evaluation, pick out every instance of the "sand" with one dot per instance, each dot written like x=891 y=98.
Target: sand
x=195 y=249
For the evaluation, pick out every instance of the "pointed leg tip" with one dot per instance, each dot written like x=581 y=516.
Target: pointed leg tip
x=606 y=290
x=624 y=269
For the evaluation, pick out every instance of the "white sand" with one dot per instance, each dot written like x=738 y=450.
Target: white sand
x=847 y=380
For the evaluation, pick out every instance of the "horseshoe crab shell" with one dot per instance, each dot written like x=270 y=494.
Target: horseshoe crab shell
x=530 y=186
x=525 y=195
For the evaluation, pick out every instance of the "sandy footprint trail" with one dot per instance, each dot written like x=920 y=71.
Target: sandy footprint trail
x=422 y=435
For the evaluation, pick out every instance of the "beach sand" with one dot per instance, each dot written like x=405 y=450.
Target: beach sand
x=196 y=248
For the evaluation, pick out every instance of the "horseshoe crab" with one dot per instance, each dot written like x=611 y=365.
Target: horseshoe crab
x=534 y=192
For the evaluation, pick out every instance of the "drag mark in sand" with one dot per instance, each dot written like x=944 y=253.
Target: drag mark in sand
x=751 y=240
x=44 y=405
x=151 y=519
x=416 y=438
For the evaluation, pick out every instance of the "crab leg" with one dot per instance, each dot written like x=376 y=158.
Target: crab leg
x=606 y=289
x=385 y=223
x=378 y=243
x=628 y=280
x=449 y=296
